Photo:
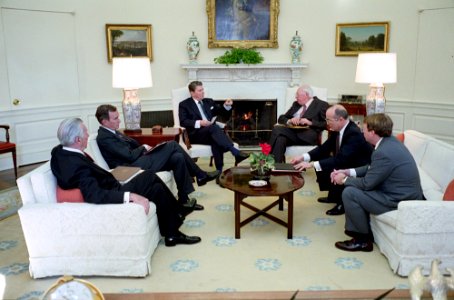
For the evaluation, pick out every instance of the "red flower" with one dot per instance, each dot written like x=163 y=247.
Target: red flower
x=266 y=148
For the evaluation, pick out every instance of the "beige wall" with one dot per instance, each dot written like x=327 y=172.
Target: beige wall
x=174 y=20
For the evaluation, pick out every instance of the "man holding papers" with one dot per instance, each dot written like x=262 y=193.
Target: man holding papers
x=196 y=115
x=75 y=170
x=301 y=124
x=120 y=150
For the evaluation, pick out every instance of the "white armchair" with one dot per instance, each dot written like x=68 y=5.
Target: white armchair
x=194 y=150
x=83 y=239
x=322 y=94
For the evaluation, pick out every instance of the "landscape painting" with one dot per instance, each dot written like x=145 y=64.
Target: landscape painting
x=354 y=38
x=128 y=41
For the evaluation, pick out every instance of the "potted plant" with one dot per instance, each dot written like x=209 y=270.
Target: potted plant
x=240 y=56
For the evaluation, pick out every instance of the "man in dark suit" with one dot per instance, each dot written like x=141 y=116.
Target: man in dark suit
x=308 y=111
x=391 y=177
x=74 y=169
x=196 y=114
x=120 y=150
x=344 y=147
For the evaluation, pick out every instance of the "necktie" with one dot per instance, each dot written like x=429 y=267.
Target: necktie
x=337 y=143
x=202 y=110
x=304 y=111
x=88 y=156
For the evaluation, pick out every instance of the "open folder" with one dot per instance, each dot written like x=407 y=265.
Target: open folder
x=124 y=173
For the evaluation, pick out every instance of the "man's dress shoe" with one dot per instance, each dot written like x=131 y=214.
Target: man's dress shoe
x=190 y=205
x=219 y=183
x=181 y=238
x=209 y=177
x=325 y=200
x=355 y=245
x=336 y=210
x=240 y=157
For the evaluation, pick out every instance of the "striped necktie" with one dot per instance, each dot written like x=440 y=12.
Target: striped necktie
x=304 y=111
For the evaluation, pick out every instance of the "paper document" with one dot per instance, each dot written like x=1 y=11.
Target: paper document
x=157 y=146
x=124 y=173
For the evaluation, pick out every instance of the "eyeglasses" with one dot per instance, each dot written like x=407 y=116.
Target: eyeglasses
x=331 y=120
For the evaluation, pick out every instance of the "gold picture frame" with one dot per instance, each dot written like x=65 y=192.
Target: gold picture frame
x=355 y=38
x=242 y=23
x=127 y=40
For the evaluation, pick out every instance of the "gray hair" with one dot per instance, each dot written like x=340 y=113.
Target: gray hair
x=307 y=88
x=69 y=130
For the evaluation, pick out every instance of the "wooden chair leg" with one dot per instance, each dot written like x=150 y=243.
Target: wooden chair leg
x=211 y=161
x=14 y=162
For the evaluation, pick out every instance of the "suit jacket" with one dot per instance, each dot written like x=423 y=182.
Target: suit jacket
x=392 y=175
x=316 y=113
x=189 y=113
x=74 y=170
x=118 y=149
x=354 y=151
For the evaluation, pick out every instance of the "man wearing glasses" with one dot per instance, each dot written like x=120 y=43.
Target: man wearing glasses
x=344 y=148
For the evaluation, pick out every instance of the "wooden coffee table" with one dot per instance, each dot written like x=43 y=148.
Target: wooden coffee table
x=281 y=185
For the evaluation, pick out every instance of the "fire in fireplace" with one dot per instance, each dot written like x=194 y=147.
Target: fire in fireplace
x=251 y=121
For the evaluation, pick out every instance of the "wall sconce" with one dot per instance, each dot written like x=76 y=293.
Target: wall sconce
x=130 y=74
x=376 y=69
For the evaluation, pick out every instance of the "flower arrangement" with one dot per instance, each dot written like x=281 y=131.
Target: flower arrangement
x=262 y=162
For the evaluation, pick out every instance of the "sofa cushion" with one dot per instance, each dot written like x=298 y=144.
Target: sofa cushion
x=431 y=190
x=400 y=137
x=416 y=142
x=72 y=195
x=449 y=193
x=44 y=186
x=437 y=162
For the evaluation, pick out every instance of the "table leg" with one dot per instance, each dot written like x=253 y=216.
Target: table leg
x=237 y=208
x=290 y=216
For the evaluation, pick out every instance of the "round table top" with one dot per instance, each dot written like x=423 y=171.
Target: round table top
x=237 y=179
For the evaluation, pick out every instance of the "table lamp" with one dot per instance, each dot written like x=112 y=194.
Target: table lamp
x=376 y=69
x=131 y=74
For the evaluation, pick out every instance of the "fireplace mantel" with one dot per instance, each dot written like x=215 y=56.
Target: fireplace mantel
x=242 y=81
x=290 y=73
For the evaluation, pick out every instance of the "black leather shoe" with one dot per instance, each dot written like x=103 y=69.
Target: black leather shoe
x=355 y=245
x=181 y=238
x=191 y=204
x=240 y=157
x=219 y=183
x=325 y=200
x=209 y=177
x=336 y=210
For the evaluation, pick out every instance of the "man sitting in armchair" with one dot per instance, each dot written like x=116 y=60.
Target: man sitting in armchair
x=76 y=170
x=303 y=123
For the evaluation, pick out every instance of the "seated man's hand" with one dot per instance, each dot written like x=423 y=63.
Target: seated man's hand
x=304 y=121
x=303 y=166
x=296 y=160
x=294 y=121
x=337 y=176
x=136 y=198
x=204 y=123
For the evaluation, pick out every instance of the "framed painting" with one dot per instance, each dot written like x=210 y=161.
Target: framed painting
x=354 y=38
x=128 y=41
x=242 y=23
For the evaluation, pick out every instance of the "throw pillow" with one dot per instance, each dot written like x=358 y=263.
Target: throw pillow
x=449 y=193
x=72 y=195
x=400 y=137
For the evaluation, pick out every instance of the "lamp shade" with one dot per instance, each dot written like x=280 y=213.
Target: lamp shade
x=376 y=68
x=131 y=73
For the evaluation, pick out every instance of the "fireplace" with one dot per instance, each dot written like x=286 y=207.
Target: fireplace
x=251 y=121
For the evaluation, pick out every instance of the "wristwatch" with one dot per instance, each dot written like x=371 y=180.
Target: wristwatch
x=68 y=287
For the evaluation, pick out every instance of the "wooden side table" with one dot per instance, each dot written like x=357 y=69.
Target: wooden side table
x=152 y=139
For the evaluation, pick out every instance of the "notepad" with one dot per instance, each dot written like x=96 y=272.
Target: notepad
x=283 y=167
x=124 y=173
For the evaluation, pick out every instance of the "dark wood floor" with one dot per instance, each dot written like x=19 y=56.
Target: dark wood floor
x=7 y=179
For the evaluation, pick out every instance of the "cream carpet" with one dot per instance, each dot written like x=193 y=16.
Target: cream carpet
x=262 y=260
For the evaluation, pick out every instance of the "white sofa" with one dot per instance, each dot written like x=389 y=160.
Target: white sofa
x=83 y=239
x=420 y=231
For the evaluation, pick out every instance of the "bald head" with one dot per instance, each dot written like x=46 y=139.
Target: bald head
x=336 y=117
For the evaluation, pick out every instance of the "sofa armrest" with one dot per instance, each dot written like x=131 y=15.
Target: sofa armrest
x=46 y=225
x=425 y=217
